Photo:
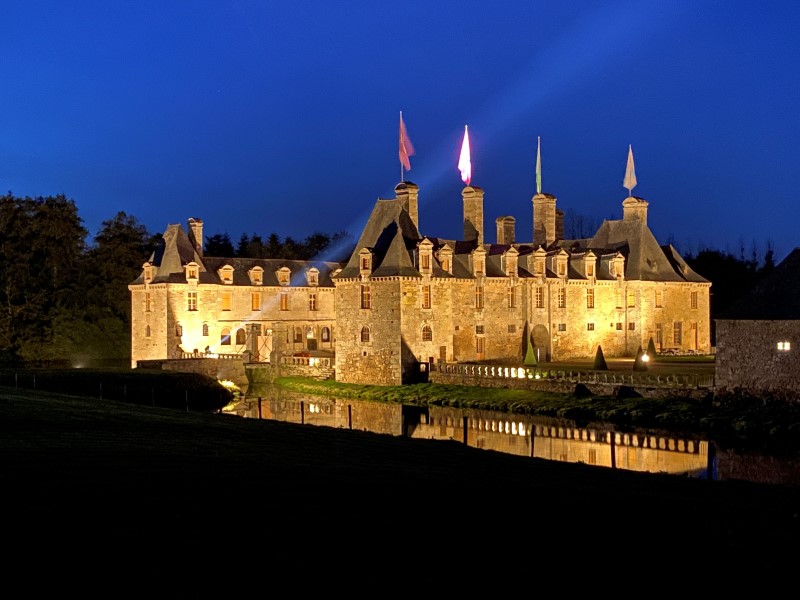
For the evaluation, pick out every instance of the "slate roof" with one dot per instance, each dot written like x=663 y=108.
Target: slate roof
x=774 y=298
x=177 y=250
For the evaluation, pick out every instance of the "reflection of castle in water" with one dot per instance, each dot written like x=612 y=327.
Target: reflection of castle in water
x=521 y=435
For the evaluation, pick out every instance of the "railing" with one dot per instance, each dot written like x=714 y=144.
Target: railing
x=574 y=376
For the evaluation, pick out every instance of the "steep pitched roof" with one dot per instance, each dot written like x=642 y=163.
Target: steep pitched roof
x=174 y=252
x=391 y=236
x=776 y=297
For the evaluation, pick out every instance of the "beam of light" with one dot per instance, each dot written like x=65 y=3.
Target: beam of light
x=598 y=43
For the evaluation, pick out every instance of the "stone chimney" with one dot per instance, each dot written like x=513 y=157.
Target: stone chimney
x=559 y=224
x=505 y=230
x=544 y=219
x=634 y=209
x=196 y=235
x=408 y=194
x=473 y=213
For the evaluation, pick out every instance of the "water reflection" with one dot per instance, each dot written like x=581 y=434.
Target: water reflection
x=539 y=437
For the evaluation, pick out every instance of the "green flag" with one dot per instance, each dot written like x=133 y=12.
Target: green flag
x=539 y=166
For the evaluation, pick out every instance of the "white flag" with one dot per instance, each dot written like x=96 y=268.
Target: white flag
x=630 y=174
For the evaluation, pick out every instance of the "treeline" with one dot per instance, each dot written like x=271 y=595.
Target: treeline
x=317 y=246
x=65 y=301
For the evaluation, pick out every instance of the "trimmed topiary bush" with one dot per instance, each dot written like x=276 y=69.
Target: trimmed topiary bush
x=639 y=364
x=651 y=350
x=600 y=360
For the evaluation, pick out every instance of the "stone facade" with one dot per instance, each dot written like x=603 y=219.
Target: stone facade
x=405 y=301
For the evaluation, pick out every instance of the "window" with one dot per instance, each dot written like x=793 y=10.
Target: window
x=427 y=333
x=191 y=301
x=365 y=263
x=539 y=296
x=425 y=261
x=512 y=297
x=426 y=296
x=298 y=335
x=619 y=326
x=618 y=296
x=562 y=268
x=148 y=302
x=694 y=299
x=225 y=337
x=479 y=296
x=178 y=330
x=539 y=268
x=512 y=329
x=255 y=301
x=147 y=331
x=480 y=345
x=312 y=301
x=284 y=301
x=148 y=272
x=226 y=273
x=241 y=338
x=590 y=270
x=562 y=326
x=631 y=298
x=659 y=298
x=365 y=334
x=562 y=297
x=226 y=300
x=205 y=329
x=631 y=326
x=313 y=276
x=366 y=297
x=784 y=346
x=326 y=334
x=191 y=271
x=677 y=333
x=478 y=266
x=479 y=329
x=590 y=298
x=590 y=327
x=659 y=336
x=257 y=275
x=283 y=275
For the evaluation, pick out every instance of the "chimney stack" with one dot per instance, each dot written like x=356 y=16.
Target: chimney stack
x=544 y=219
x=408 y=194
x=473 y=213
x=505 y=230
x=196 y=235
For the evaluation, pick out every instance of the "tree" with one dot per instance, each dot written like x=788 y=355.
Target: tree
x=219 y=244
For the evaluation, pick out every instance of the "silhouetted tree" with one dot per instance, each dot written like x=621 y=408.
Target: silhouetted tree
x=219 y=244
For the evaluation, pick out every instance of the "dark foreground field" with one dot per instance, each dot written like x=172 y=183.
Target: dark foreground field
x=102 y=496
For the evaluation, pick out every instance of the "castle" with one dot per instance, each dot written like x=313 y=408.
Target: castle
x=404 y=302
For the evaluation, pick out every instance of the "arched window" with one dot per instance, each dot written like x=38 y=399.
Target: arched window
x=365 y=334
x=241 y=338
x=205 y=329
x=298 y=335
x=147 y=331
x=427 y=333
x=225 y=337
x=178 y=330
x=326 y=334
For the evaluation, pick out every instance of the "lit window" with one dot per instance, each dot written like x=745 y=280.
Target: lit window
x=539 y=297
x=427 y=333
x=659 y=297
x=226 y=301
x=590 y=270
x=426 y=296
x=512 y=297
x=590 y=298
x=562 y=298
x=425 y=262
x=784 y=346
x=312 y=301
x=365 y=334
x=191 y=301
x=631 y=298
x=677 y=333
x=225 y=337
x=366 y=297
x=618 y=295
x=479 y=296
x=284 y=301
x=255 y=301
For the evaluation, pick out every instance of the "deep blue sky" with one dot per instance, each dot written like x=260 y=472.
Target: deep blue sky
x=267 y=116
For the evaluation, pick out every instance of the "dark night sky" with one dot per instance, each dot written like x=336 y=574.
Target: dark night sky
x=266 y=116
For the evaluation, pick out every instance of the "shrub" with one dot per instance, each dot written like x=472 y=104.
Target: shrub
x=600 y=360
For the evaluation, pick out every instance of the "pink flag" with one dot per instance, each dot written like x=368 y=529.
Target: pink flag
x=464 y=163
x=406 y=149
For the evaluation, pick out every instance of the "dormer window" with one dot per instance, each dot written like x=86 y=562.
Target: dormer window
x=445 y=256
x=479 y=262
x=147 y=269
x=283 y=274
x=510 y=260
x=312 y=276
x=589 y=262
x=618 y=266
x=226 y=274
x=538 y=262
x=425 y=250
x=365 y=262
x=192 y=271
x=256 y=276
x=561 y=264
